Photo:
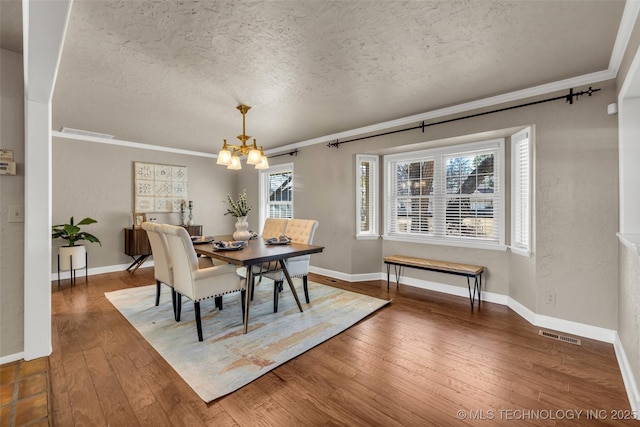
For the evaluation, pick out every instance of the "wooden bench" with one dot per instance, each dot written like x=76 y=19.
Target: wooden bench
x=467 y=270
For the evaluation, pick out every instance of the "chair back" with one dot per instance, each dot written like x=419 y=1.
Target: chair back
x=274 y=227
x=183 y=257
x=302 y=230
x=159 y=249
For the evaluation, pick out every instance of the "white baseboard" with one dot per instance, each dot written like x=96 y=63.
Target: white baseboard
x=97 y=270
x=628 y=378
x=344 y=276
x=11 y=358
x=562 y=325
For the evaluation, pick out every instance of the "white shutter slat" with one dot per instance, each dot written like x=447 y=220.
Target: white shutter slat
x=521 y=193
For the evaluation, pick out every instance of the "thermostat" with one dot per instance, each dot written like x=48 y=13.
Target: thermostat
x=7 y=168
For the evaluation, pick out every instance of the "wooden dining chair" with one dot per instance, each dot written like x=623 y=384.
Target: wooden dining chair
x=196 y=283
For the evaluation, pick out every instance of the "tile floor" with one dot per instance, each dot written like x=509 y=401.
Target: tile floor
x=24 y=388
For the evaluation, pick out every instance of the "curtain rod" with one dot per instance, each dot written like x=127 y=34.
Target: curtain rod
x=568 y=98
x=288 y=153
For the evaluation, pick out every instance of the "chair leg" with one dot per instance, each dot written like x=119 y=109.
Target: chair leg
x=219 y=302
x=275 y=297
x=173 y=302
x=277 y=287
x=305 y=283
x=157 y=292
x=253 y=287
x=178 y=306
x=196 y=308
x=243 y=295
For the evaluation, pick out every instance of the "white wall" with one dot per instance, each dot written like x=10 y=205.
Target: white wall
x=96 y=180
x=11 y=194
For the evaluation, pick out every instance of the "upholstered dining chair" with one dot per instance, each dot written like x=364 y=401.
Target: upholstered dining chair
x=162 y=266
x=272 y=227
x=161 y=262
x=299 y=231
x=195 y=283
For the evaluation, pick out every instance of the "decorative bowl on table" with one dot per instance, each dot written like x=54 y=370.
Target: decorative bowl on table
x=281 y=240
x=233 y=245
x=201 y=240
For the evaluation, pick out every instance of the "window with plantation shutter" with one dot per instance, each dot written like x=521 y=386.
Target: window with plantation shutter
x=276 y=192
x=521 y=192
x=366 y=197
x=451 y=196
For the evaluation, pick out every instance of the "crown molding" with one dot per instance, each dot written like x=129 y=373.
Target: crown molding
x=629 y=18
x=130 y=144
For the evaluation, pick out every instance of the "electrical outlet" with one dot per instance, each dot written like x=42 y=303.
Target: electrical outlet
x=551 y=298
x=16 y=214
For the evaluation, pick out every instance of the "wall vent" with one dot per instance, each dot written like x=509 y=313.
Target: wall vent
x=558 y=337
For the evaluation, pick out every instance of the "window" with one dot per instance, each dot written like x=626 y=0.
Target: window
x=521 y=192
x=366 y=197
x=276 y=192
x=451 y=195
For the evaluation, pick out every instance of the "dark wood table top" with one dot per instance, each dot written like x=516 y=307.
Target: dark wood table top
x=256 y=252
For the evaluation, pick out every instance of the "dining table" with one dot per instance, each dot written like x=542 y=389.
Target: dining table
x=257 y=252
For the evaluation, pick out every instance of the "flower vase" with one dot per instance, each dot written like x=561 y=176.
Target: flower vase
x=242 y=229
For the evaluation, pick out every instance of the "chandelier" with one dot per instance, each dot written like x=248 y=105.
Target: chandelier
x=254 y=156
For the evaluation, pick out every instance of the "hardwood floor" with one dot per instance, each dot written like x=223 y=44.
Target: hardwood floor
x=426 y=359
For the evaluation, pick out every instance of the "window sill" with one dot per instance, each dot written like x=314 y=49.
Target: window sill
x=632 y=241
x=446 y=242
x=367 y=237
x=521 y=252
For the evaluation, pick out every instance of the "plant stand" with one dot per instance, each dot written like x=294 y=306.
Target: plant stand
x=73 y=271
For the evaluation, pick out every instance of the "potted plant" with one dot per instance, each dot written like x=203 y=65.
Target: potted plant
x=239 y=209
x=72 y=255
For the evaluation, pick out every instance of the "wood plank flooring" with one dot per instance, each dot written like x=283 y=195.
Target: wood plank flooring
x=425 y=359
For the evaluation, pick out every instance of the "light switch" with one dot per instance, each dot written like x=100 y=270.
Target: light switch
x=16 y=214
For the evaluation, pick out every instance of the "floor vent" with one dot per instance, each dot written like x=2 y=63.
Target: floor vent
x=558 y=337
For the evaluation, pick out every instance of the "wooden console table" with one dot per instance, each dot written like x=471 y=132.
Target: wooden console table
x=137 y=246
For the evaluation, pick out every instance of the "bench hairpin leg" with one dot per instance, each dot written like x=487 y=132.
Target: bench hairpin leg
x=472 y=296
x=477 y=287
x=398 y=271
x=388 y=273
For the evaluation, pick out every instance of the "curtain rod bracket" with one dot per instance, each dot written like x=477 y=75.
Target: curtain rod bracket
x=571 y=95
x=335 y=144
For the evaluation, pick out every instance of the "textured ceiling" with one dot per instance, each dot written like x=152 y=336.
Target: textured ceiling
x=171 y=73
x=11 y=25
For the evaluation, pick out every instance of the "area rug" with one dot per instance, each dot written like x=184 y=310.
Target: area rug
x=227 y=359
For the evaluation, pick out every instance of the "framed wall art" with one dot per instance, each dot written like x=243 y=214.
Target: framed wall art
x=159 y=188
x=138 y=219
